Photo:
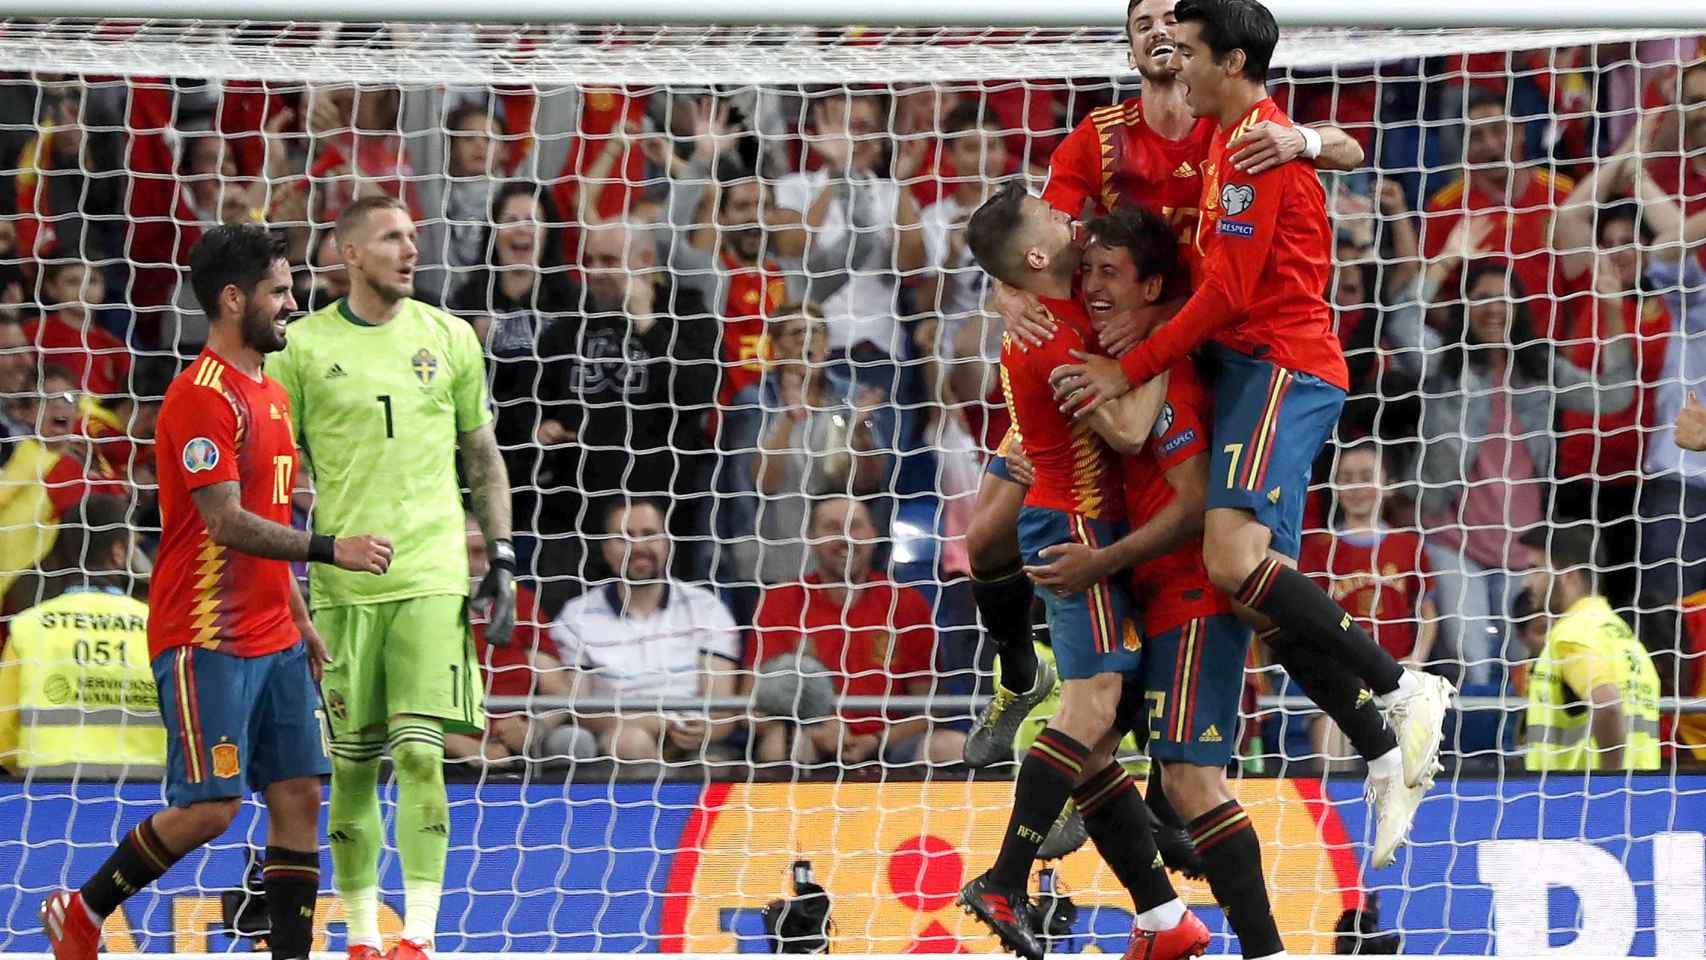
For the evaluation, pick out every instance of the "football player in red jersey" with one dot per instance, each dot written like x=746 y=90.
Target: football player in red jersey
x=1145 y=152
x=1279 y=372
x=235 y=656
x=1076 y=497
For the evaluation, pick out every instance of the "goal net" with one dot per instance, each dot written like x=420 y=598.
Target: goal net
x=734 y=336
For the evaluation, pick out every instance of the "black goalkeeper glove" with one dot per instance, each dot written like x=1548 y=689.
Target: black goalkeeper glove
x=495 y=597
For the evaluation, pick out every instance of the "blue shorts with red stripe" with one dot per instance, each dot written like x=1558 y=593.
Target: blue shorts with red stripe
x=1092 y=632
x=235 y=725
x=1193 y=679
x=1269 y=425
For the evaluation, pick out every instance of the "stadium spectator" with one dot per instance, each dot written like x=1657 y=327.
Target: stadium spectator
x=1593 y=695
x=527 y=666
x=972 y=143
x=67 y=335
x=1672 y=497
x=326 y=281
x=86 y=636
x=1378 y=574
x=873 y=636
x=644 y=638
x=17 y=384
x=627 y=383
x=473 y=160
x=1679 y=169
x=511 y=302
x=824 y=436
x=66 y=198
x=847 y=192
x=357 y=148
x=1499 y=182
x=46 y=475
x=1495 y=380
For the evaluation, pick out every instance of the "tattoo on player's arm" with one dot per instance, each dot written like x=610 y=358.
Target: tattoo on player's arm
x=229 y=525
x=488 y=481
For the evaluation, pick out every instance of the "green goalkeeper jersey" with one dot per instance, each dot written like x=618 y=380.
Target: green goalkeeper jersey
x=378 y=410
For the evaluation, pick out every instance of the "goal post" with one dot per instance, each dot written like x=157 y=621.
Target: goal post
x=557 y=155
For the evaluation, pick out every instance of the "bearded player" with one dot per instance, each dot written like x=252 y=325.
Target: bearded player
x=1264 y=249
x=234 y=654
x=1146 y=152
x=1076 y=498
x=388 y=392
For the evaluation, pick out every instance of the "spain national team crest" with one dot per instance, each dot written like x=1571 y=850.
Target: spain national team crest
x=225 y=765
x=1130 y=636
x=425 y=366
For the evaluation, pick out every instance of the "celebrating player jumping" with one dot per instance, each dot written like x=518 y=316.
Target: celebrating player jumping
x=1278 y=372
x=234 y=654
x=387 y=391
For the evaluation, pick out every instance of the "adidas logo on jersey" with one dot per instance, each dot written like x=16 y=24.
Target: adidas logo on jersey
x=1211 y=735
x=1274 y=495
x=1184 y=170
x=335 y=371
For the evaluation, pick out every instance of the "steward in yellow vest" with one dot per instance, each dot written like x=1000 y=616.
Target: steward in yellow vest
x=77 y=695
x=1593 y=694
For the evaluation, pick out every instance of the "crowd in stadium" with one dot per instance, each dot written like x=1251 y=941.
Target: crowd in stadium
x=736 y=344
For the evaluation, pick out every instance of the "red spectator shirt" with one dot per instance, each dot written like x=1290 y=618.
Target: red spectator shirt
x=755 y=292
x=1174 y=589
x=1523 y=233
x=1260 y=275
x=99 y=361
x=1380 y=583
x=877 y=645
x=509 y=670
x=1609 y=446
x=1115 y=159
x=215 y=425
x=1075 y=471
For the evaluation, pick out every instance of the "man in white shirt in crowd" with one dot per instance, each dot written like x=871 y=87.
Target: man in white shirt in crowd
x=642 y=638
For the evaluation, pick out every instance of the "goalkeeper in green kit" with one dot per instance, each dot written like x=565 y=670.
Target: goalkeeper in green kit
x=387 y=392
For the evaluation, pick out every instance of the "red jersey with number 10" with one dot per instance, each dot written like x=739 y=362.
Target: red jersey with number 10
x=1115 y=159
x=1075 y=471
x=218 y=425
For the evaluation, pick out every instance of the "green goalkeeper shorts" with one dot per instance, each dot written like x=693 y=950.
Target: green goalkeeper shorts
x=413 y=657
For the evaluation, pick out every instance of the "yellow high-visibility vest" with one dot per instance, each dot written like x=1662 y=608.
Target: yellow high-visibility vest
x=1560 y=736
x=77 y=696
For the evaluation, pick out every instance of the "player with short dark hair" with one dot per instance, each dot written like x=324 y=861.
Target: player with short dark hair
x=390 y=391
x=234 y=653
x=1076 y=498
x=1265 y=250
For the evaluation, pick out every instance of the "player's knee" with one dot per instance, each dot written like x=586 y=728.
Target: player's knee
x=635 y=741
x=1193 y=789
x=991 y=547
x=1088 y=707
x=418 y=762
x=210 y=818
x=1227 y=566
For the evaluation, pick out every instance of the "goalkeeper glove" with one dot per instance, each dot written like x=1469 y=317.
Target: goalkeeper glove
x=495 y=597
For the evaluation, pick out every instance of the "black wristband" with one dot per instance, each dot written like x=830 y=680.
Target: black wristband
x=501 y=553
x=322 y=548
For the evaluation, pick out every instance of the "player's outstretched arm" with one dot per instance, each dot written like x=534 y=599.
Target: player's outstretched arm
x=229 y=525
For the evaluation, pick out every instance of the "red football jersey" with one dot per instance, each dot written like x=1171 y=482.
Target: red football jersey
x=1261 y=275
x=1379 y=581
x=754 y=293
x=215 y=425
x=1174 y=589
x=1115 y=159
x=877 y=645
x=509 y=669
x=1523 y=233
x=1075 y=470
x=1609 y=446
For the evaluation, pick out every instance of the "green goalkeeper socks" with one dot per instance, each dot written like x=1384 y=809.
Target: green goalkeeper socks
x=423 y=821
x=354 y=831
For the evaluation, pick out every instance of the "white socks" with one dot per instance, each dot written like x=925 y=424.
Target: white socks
x=361 y=917
x=420 y=910
x=1388 y=764
x=1408 y=686
x=1164 y=917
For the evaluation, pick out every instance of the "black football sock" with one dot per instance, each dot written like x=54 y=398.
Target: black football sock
x=1156 y=797
x=1298 y=605
x=1232 y=859
x=1336 y=690
x=1116 y=820
x=139 y=860
x=1047 y=775
x=1004 y=602
x=292 y=883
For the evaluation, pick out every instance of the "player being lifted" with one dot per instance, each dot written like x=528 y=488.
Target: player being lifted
x=1076 y=498
x=1145 y=152
x=234 y=654
x=388 y=391
x=1194 y=647
x=1264 y=250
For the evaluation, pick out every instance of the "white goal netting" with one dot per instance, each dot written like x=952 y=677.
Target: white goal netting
x=734 y=336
